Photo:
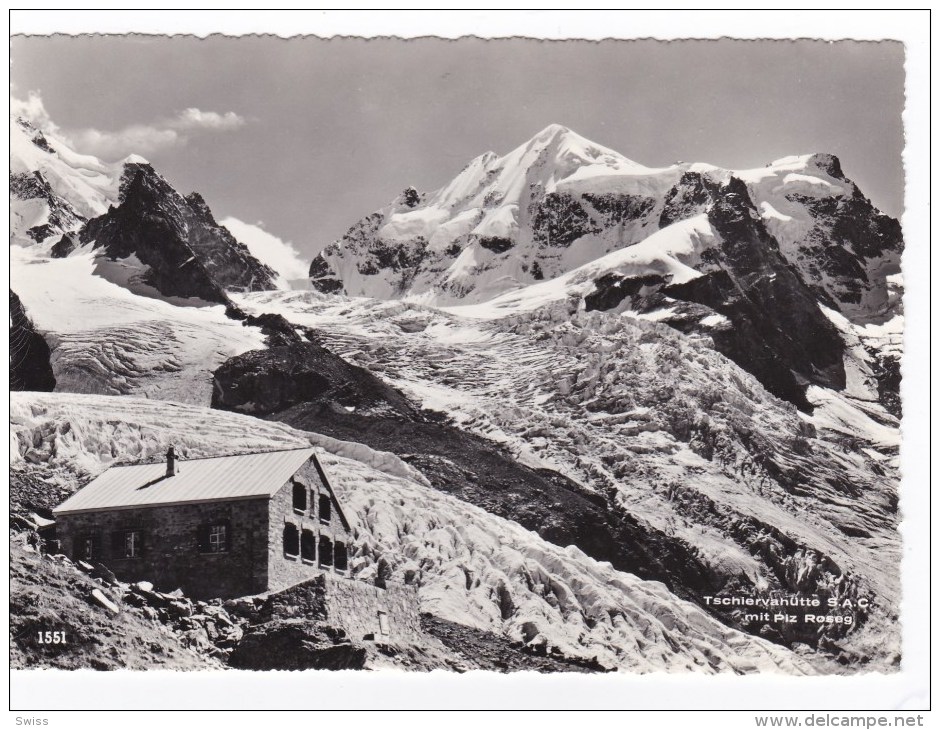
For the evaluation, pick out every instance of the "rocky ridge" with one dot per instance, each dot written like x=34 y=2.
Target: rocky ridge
x=187 y=254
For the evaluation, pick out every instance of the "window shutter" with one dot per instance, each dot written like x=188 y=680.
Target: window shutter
x=202 y=538
x=228 y=536
x=117 y=544
x=141 y=542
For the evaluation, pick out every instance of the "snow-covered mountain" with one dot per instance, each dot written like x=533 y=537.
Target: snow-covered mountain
x=560 y=201
x=53 y=189
x=127 y=280
x=144 y=234
x=746 y=258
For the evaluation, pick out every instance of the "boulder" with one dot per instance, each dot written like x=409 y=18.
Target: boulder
x=296 y=644
x=102 y=600
x=103 y=573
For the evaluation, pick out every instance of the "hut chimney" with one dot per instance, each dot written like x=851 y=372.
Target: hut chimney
x=170 y=462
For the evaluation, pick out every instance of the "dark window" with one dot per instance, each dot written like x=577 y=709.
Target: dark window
x=325 y=508
x=215 y=537
x=87 y=547
x=340 y=559
x=308 y=546
x=326 y=550
x=291 y=540
x=127 y=544
x=300 y=497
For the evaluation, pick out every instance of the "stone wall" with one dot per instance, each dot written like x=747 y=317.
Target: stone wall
x=285 y=570
x=171 y=557
x=355 y=606
x=352 y=605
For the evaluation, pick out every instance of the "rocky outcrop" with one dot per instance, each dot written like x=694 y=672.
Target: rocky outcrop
x=779 y=333
x=322 y=277
x=61 y=216
x=774 y=327
x=849 y=251
x=690 y=196
x=30 y=357
x=614 y=209
x=187 y=254
x=558 y=220
x=35 y=135
x=273 y=380
x=63 y=247
x=227 y=261
x=611 y=290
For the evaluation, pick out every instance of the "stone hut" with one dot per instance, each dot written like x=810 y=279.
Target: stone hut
x=216 y=528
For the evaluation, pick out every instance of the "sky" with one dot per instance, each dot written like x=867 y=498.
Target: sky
x=306 y=136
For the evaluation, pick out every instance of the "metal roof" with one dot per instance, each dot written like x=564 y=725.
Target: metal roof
x=196 y=480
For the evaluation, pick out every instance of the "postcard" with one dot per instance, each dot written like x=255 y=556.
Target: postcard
x=433 y=355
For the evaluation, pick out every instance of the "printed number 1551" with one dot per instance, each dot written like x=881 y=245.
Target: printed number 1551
x=51 y=637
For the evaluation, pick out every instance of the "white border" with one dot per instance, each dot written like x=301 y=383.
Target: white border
x=34 y=692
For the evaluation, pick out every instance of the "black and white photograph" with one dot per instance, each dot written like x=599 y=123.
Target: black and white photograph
x=461 y=355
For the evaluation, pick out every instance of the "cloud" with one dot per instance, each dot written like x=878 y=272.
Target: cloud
x=271 y=250
x=33 y=110
x=193 y=118
x=144 y=139
x=139 y=139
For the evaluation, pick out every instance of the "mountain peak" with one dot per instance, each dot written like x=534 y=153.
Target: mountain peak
x=823 y=161
x=134 y=160
x=553 y=130
x=575 y=149
x=562 y=137
x=828 y=163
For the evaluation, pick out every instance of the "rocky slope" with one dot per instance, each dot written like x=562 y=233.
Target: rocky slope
x=29 y=353
x=53 y=189
x=51 y=594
